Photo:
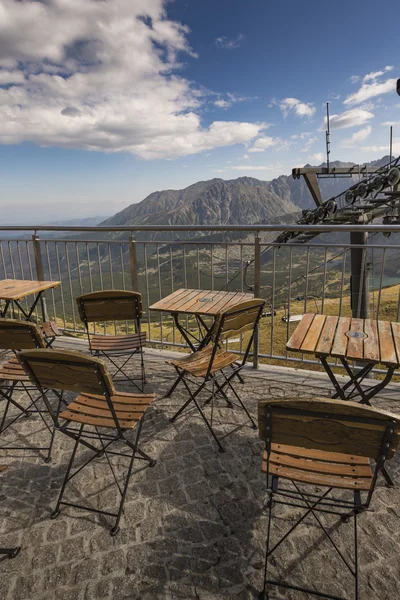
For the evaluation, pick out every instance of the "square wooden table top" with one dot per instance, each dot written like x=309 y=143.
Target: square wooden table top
x=16 y=289
x=348 y=338
x=200 y=302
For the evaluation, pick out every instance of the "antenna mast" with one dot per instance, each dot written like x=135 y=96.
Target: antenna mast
x=327 y=136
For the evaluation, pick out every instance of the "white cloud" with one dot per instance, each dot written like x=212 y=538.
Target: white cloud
x=229 y=44
x=103 y=76
x=372 y=76
x=263 y=143
x=301 y=109
x=390 y=123
x=317 y=158
x=381 y=149
x=354 y=78
x=357 y=137
x=349 y=118
x=371 y=90
x=231 y=99
x=220 y=103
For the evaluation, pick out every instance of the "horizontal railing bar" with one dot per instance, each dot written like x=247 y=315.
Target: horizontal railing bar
x=196 y=228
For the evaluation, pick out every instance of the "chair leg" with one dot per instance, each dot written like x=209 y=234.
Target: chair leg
x=56 y=511
x=355 y=557
x=115 y=529
x=10 y=552
x=264 y=594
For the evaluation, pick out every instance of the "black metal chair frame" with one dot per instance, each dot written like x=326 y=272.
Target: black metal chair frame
x=8 y=390
x=110 y=354
x=213 y=378
x=85 y=438
x=319 y=503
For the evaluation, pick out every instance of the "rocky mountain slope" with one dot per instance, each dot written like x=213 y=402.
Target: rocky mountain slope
x=241 y=201
x=216 y=202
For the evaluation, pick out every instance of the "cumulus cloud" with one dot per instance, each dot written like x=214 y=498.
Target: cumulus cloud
x=349 y=118
x=263 y=143
x=317 y=158
x=371 y=90
x=357 y=137
x=301 y=109
x=229 y=43
x=103 y=76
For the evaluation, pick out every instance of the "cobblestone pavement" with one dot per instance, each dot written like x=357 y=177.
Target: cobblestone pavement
x=194 y=525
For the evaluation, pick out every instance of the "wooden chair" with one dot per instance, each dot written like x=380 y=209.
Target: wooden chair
x=113 y=306
x=214 y=364
x=98 y=414
x=50 y=332
x=9 y=552
x=329 y=444
x=19 y=335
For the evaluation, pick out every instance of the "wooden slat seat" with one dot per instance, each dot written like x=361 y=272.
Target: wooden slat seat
x=197 y=363
x=92 y=409
x=118 y=343
x=50 y=329
x=330 y=469
x=12 y=370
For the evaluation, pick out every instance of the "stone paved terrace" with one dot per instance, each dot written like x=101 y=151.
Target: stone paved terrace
x=194 y=525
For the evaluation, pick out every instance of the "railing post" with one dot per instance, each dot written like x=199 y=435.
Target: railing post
x=257 y=292
x=133 y=264
x=39 y=272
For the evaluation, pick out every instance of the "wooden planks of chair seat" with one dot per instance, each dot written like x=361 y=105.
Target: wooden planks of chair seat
x=12 y=370
x=93 y=410
x=117 y=343
x=349 y=338
x=330 y=469
x=197 y=363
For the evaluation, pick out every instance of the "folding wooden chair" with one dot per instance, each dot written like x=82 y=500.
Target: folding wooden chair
x=326 y=445
x=99 y=413
x=9 y=552
x=216 y=366
x=19 y=335
x=113 y=306
x=50 y=332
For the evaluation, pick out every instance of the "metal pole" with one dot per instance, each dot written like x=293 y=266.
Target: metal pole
x=359 y=277
x=133 y=264
x=257 y=292
x=39 y=272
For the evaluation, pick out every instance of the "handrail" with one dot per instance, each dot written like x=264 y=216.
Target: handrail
x=227 y=228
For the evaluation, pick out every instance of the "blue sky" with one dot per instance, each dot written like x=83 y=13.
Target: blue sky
x=103 y=103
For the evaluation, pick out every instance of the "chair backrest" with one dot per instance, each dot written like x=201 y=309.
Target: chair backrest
x=109 y=305
x=239 y=319
x=20 y=335
x=67 y=370
x=328 y=425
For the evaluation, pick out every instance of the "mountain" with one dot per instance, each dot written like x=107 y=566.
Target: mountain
x=242 y=201
x=216 y=202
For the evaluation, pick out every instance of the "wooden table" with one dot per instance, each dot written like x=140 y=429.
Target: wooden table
x=361 y=340
x=200 y=303
x=14 y=290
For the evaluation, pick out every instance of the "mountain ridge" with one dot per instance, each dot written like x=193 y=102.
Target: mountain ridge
x=241 y=201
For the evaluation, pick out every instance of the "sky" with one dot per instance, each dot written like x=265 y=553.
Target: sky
x=104 y=101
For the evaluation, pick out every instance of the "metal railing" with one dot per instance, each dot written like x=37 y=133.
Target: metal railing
x=293 y=278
